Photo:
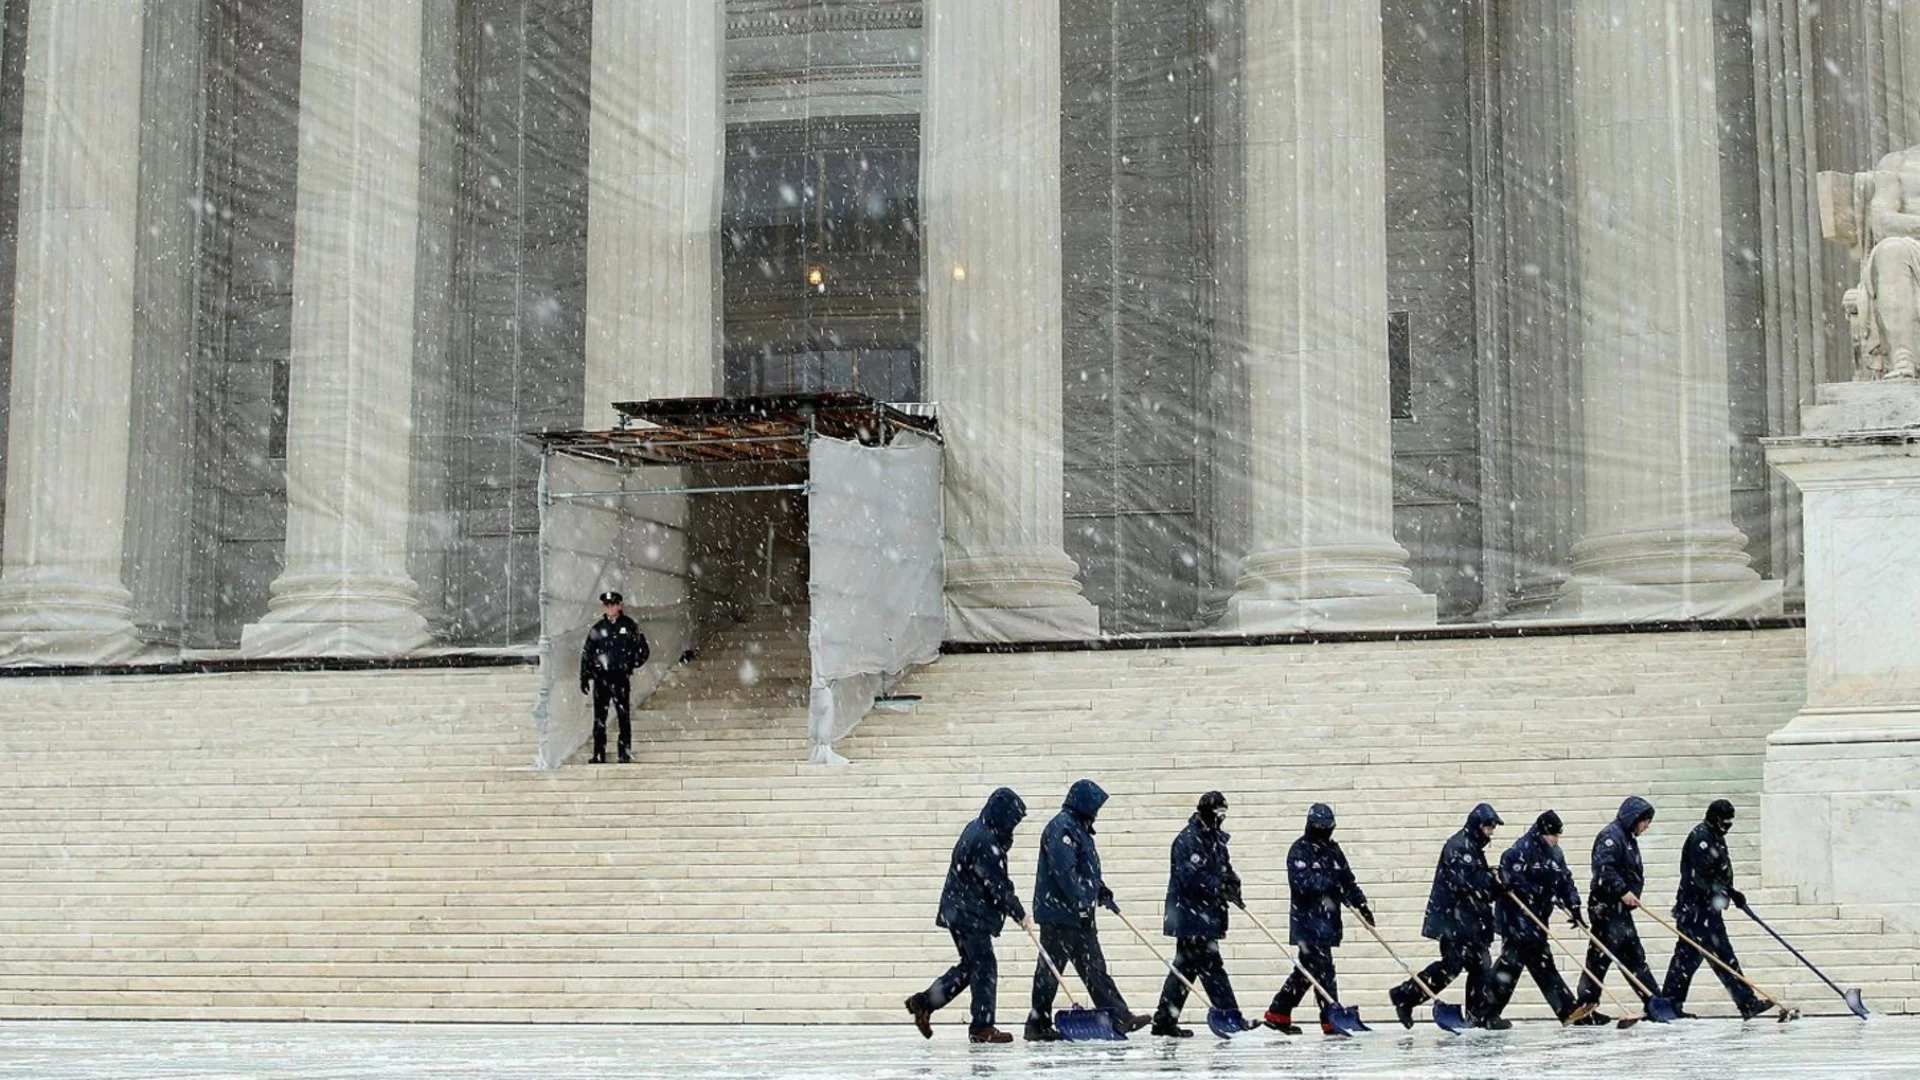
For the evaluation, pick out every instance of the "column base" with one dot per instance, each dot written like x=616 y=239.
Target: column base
x=336 y=615
x=1260 y=615
x=1841 y=802
x=1597 y=601
x=1017 y=598
x=57 y=620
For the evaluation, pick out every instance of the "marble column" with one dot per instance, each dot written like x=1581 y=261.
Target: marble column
x=657 y=148
x=1321 y=548
x=990 y=210
x=62 y=599
x=1658 y=539
x=346 y=589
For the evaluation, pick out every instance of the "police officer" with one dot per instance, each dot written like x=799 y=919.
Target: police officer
x=975 y=905
x=1068 y=887
x=615 y=648
x=1706 y=890
x=1320 y=881
x=1612 y=893
x=1460 y=918
x=1534 y=872
x=1200 y=885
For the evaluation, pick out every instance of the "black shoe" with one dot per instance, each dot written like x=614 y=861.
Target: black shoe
x=922 y=1011
x=1596 y=1018
x=1280 y=1022
x=1130 y=1024
x=1494 y=1023
x=988 y=1034
x=1169 y=1029
x=1402 y=1005
x=1041 y=1031
x=597 y=759
x=1682 y=1014
x=625 y=759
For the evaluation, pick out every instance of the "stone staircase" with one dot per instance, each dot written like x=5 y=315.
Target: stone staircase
x=375 y=846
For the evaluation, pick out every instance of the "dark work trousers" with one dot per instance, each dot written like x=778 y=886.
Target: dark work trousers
x=1709 y=928
x=1317 y=959
x=977 y=969
x=1536 y=959
x=1076 y=947
x=1456 y=956
x=1200 y=961
x=1620 y=935
x=615 y=690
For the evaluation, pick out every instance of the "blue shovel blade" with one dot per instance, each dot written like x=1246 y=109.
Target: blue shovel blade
x=1226 y=1023
x=1346 y=1020
x=1087 y=1025
x=1661 y=1011
x=1449 y=1017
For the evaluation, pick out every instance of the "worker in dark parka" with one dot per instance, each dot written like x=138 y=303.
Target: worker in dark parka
x=1613 y=891
x=1068 y=888
x=615 y=649
x=1459 y=917
x=1699 y=907
x=1200 y=884
x=1320 y=882
x=978 y=899
x=1534 y=873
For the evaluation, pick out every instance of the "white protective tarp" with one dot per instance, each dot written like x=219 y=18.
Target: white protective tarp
x=874 y=535
x=632 y=544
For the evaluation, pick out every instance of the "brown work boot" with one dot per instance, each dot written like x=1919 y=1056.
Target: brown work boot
x=988 y=1034
x=922 y=1011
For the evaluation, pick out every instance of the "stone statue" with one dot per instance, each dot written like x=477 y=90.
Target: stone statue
x=1878 y=213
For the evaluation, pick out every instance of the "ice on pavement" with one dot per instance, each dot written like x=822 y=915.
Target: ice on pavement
x=1880 y=1048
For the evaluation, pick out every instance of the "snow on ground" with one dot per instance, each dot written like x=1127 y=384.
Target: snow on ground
x=1883 y=1047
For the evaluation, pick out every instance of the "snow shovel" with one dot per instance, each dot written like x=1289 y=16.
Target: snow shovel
x=1660 y=1010
x=1449 y=1017
x=1225 y=1023
x=1851 y=997
x=1078 y=1023
x=1580 y=1011
x=1344 y=1018
x=1787 y=1012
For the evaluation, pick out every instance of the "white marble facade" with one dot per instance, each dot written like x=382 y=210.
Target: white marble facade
x=1600 y=313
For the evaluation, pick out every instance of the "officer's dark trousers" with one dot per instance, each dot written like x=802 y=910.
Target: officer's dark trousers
x=1317 y=959
x=614 y=690
x=1199 y=961
x=1078 y=948
x=1616 y=929
x=1709 y=928
x=977 y=969
x=1456 y=956
x=1536 y=959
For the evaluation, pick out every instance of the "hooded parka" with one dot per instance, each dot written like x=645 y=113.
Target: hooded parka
x=1068 y=884
x=1537 y=873
x=1320 y=882
x=1460 y=904
x=1201 y=881
x=979 y=895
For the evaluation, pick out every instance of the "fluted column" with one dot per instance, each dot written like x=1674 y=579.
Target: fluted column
x=1321 y=548
x=62 y=599
x=990 y=205
x=346 y=589
x=653 y=201
x=1658 y=539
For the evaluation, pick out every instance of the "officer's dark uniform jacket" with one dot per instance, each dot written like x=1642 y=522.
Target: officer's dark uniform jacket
x=1537 y=873
x=1460 y=904
x=1068 y=884
x=1617 y=869
x=613 y=650
x=1200 y=884
x=1706 y=874
x=979 y=896
x=1321 y=881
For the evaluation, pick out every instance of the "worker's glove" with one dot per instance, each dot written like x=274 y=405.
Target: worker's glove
x=1739 y=898
x=1367 y=914
x=585 y=688
x=1574 y=918
x=1107 y=901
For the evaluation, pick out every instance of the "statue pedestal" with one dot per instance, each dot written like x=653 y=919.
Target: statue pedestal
x=1842 y=796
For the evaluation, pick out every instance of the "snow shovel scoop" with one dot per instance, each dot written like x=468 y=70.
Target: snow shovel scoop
x=1787 y=1012
x=1449 y=1017
x=1078 y=1023
x=1851 y=997
x=1344 y=1018
x=1660 y=1010
x=1225 y=1023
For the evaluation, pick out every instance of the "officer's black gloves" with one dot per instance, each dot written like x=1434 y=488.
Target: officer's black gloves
x=1367 y=914
x=1107 y=901
x=1574 y=918
x=585 y=688
x=1739 y=898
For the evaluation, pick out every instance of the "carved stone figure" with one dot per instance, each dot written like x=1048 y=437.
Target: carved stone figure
x=1878 y=213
